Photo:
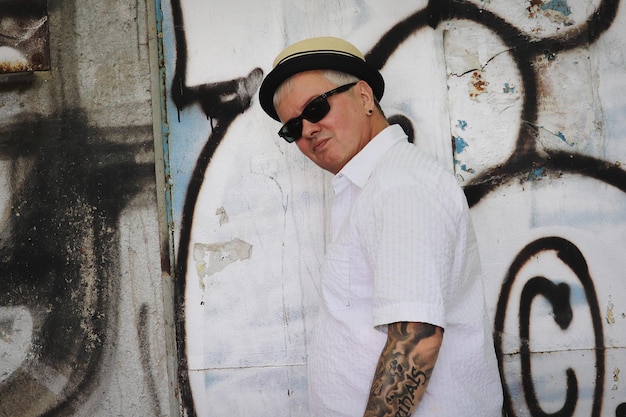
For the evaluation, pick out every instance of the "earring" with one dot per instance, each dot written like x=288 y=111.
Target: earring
x=370 y=111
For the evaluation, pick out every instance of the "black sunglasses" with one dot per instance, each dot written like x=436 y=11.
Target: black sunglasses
x=315 y=111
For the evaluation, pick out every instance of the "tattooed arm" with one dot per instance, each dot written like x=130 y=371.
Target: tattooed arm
x=404 y=368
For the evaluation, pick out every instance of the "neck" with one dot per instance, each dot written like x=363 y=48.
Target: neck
x=379 y=123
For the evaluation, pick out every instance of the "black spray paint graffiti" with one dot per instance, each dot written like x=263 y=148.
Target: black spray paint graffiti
x=66 y=181
x=59 y=255
x=521 y=47
x=559 y=297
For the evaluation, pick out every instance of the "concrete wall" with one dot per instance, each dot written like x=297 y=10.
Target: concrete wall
x=523 y=100
x=83 y=328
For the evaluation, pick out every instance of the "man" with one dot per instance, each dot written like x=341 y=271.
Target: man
x=402 y=330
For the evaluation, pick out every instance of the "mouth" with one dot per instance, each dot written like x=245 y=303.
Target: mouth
x=319 y=144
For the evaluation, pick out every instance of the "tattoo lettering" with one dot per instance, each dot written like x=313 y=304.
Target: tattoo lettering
x=403 y=396
x=402 y=373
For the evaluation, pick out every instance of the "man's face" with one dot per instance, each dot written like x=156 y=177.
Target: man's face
x=342 y=133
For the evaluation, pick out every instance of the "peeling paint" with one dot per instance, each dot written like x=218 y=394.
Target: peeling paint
x=559 y=6
x=462 y=124
x=213 y=257
x=557 y=11
x=610 y=318
x=477 y=85
x=223 y=215
x=615 y=386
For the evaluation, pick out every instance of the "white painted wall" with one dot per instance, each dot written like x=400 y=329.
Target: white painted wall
x=259 y=218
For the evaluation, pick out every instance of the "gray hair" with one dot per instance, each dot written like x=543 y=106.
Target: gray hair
x=336 y=77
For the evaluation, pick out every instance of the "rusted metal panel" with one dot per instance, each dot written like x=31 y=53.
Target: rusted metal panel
x=24 y=45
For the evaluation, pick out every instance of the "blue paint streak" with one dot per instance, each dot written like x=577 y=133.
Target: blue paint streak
x=466 y=169
x=508 y=89
x=536 y=174
x=561 y=136
x=459 y=144
x=560 y=6
x=211 y=379
x=463 y=166
x=577 y=296
x=462 y=124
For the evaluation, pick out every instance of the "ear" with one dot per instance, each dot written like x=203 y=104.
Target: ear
x=366 y=95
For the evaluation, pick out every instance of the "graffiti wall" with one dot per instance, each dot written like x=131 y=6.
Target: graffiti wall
x=81 y=307
x=523 y=101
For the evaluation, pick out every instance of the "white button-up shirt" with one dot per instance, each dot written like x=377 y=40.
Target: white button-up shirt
x=402 y=249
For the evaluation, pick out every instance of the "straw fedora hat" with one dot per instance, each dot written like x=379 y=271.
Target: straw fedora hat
x=314 y=54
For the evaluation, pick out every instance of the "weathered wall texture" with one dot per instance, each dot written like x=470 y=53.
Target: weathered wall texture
x=82 y=322
x=524 y=100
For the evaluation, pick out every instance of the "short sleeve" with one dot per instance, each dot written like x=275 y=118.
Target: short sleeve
x=410 y=242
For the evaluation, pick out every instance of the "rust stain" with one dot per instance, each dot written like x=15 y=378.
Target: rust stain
x=535 y=6
x=477 y=85
x=24 y=32
x=12 y=60
x=9 y=67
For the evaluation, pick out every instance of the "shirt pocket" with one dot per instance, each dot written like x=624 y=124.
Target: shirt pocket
x=336 y=278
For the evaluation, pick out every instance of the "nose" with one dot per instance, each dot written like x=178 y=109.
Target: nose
x=309 y=129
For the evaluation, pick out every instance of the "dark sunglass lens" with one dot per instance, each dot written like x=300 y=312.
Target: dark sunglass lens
x=313 y=112
x=292 y=130
x=316 y=110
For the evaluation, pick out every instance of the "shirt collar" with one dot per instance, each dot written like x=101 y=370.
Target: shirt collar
x=360 y=167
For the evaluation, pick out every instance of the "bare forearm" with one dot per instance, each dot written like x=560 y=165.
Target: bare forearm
x=404 y=368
